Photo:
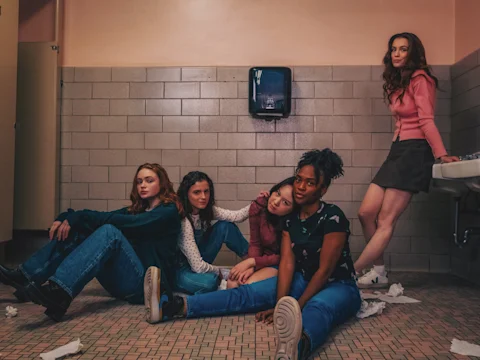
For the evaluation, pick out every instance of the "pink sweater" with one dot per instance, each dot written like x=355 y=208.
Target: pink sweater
x=414 y=116
x=264 y=244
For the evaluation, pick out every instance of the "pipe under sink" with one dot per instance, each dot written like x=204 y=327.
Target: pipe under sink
x=457 y=179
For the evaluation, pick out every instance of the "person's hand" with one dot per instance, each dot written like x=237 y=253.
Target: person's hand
x=240 y=268
x=53 y=229
x=265 y=316
x=244 y=276
x=264 y=194
x=449 y=159
x=63 y=230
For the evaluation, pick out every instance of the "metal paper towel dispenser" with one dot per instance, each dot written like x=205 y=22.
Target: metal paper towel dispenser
x=270 y=92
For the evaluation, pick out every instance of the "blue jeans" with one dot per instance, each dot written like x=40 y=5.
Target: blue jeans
x=106 y=254
x=223 y=232
x=333 y=305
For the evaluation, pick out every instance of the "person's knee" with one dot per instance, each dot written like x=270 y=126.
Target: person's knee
x=211 y=283
x=366 y=215
x=224 y=226
x=109 y=232
x=232 y=284
x=385 y=220
x=320 y=310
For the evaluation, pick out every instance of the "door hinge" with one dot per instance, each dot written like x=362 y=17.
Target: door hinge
x=55 y=48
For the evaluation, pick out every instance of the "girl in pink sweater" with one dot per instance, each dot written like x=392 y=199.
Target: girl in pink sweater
x=409 y=90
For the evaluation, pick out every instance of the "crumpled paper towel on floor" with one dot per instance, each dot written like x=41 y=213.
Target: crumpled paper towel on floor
x=10 y=311
x=370 y=308
x=393 y=296
x=395 y=290
x=69 y=349
x=464 y=348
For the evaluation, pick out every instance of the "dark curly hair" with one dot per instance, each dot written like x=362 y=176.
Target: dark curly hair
x=399 y=78
x=326 y=164
x=206 y=215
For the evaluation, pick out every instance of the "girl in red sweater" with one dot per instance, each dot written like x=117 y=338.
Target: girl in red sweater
x=409 y=90
x=265 y=217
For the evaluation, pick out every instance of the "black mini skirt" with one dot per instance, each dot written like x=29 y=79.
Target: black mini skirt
x=408 y=166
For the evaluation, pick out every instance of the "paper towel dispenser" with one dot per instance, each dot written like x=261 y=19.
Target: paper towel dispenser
x=270 y=92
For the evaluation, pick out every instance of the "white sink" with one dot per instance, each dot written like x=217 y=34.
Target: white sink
x=451 y=177
x=456 y=178
x=457 y=170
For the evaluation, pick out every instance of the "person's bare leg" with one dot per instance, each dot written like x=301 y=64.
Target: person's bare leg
x=394 y=203
x=262 y=274
x=367 y=214
x=232 y=284
x=259 y=275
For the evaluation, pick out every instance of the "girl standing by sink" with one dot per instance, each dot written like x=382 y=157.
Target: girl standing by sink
x=409 y=89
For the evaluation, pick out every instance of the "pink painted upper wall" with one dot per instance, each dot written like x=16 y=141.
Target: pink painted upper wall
x=246 y=32
x=36 y=21
x=467 y=27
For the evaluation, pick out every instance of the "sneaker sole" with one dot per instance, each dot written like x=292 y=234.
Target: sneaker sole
x=151 y=293
x=287 y=320
x=372 y=286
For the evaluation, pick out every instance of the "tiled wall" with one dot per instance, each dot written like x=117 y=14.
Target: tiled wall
x=197 y=118
x=466 y=140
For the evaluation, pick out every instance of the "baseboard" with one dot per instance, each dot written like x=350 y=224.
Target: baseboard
x=22 y=234
x=23 y=245
x=3 y=245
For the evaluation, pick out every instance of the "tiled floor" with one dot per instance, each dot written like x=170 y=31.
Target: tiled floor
x=111 y=329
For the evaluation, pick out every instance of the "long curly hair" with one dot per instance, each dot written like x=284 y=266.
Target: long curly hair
x=206 y=215
x=399 y=78
x=166 y=194
x=326 y=164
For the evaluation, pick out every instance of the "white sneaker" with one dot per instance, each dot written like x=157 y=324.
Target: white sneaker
x=372 y=279
x=287 y=320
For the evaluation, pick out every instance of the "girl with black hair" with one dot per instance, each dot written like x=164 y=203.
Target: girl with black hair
x=266 y=218
x=200 y=241
x=315 y=269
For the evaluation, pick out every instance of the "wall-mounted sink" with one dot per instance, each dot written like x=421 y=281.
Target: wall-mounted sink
x=466 y=172
x=456 y=178
x=458 y=170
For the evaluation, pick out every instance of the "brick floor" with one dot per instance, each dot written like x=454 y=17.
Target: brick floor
x=111 y=329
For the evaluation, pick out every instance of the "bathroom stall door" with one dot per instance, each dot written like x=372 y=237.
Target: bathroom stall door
x=37 y=137
x=8 y=85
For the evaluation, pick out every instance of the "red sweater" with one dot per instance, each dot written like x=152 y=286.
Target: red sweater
x=264 y=245
x=414 y=116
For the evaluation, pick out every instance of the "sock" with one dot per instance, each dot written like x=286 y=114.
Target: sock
x=379 y=269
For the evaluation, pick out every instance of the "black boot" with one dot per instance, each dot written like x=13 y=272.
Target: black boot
x=304 y=347
x=16 y=279
x=51 y=296
x=174 y=308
